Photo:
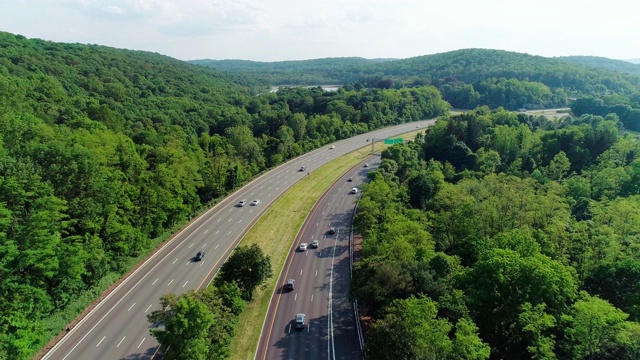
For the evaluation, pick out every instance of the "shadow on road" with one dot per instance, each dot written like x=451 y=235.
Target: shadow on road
x=146 y=355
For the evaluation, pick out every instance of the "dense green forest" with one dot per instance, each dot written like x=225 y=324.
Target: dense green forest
x=303 y=72
x=604 y=63
x=626 y=108
x=503 y=236
x=466 y=78
x=102 y=151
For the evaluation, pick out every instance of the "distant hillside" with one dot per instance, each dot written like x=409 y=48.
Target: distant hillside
x=634 y=61
x=466 y=78
x=604 y=63
x=302 y=72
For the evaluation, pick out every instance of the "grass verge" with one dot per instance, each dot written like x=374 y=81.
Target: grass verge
x=275 y=232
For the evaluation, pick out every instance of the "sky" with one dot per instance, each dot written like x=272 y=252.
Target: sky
x=276 y=30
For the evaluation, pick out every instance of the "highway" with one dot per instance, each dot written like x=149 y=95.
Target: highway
x=117 y=327
x=322 y=280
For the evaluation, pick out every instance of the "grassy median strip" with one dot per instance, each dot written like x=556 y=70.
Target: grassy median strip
x=274 y=233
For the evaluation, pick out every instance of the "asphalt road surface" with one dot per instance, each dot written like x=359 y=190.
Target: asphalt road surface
x=322 y=280
x=117 y=327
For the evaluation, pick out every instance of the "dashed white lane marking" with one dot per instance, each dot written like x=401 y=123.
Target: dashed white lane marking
x=185 y=284
x=170 y=282
x=301 y=270
x=216 y=246
x=120 y=342
x=316 y=272
x=201 y=263
x=269 y=195
x=240 y=221
x=174 y=261
x=206 y=231
x=134 y=304
x=311 y=297
x=148 y=308
x=141 y=343
x=155 y=282
x=217 y=232
x=101 y=341
x=229 y=233
x=295 y=297
x=230 y=219
x=323 y=213
x=219 y=219
x=204 y=245
x=250 y=211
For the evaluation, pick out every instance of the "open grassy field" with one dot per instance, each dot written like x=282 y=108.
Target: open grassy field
x=275 y=232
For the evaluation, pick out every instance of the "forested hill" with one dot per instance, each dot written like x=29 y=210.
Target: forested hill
x=105 y=151
x=604 y=63
x=467 y=78
x=302 y=72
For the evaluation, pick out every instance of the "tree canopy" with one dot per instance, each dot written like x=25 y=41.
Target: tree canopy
x=522 y=228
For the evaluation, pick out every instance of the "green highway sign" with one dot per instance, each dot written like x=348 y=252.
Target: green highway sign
x=393 y=141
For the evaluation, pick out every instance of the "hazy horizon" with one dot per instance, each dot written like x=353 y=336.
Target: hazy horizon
x=285 y=30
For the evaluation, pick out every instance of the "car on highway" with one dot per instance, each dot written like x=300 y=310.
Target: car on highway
x=332 y=147
x=199 y=256
x=350 y=179
x=255 y=202
x=301 y=321
x=242 y=202
x=354 y=190
x=331 y=231
x=366 y=164
x=314 y=244
x=303 y=247
x=302 y=168
x=291 y=284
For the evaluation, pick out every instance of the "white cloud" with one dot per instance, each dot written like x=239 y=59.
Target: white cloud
x=295 y=29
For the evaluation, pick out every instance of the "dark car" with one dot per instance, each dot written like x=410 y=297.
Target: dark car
x=291 y=284
x=303 y=168
x=331 y=231
x=350 y=179
x=199 y=255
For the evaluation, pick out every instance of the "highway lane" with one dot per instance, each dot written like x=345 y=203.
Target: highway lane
x=117 y=327
x=322 y=278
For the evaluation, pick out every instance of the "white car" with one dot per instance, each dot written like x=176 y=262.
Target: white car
x=303 y=247
x=314 y=244
x=255 y=202
x=354 y=190
x=242 y=202
x=366 y=164
x=332 y=147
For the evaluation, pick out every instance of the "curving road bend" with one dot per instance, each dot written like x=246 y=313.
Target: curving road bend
x=322 y=278
x=117 y=327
